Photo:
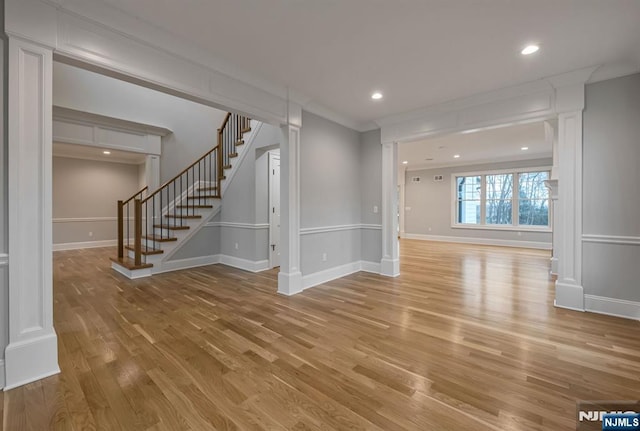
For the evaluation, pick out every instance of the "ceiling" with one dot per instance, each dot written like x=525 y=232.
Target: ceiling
x=491 y=145
x=417 y=52
x=87 y=152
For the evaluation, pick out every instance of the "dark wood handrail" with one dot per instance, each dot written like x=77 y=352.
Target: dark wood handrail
x=184 y=171
x=138 y=193
x=225 y=121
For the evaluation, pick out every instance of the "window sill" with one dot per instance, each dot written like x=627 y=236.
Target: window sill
x=544 y=229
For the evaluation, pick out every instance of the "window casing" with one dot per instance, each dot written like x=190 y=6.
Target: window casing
x=508 y=199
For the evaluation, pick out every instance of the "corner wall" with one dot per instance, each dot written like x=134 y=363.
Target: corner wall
x=611 y=201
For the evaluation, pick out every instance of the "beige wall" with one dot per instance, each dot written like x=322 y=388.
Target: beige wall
x=85 y=195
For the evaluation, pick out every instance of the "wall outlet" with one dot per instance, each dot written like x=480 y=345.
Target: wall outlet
x=429 y=229
x=375 y=209
x=90 y=234
x=236 y=245
x=324 y=257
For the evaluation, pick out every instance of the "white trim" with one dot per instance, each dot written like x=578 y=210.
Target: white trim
x=245 y=264
x=192 y=262
x=324 y=276
x=327 y=275
x=612 y=306
x=257 y=226
x=131 y=274
x=110 y=123
x=611 y=239
x=31 y=359
x=338 y=228
x=481 y=241
x=4 y=259
x=85 y=244
x=84 y=219
x=508 y=227
x=1 y=373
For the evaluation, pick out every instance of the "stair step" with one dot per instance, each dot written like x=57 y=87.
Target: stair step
x=227 y=167
x=246 y=130
x=130 y=264
x=240 y=142
x=171 y=227
x=223 y=177
x=194 y=206
x=203 y=197
x=158 y=238
x=183 y=216
x=146 y=251
x=207 y=189
x=233 y=155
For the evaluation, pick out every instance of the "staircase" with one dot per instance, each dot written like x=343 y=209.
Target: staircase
x=152 y=225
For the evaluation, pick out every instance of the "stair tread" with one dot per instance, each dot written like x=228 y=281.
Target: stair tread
x=146 y=250
x=207 y=189
x=194 y=206
x=233 y=155
x=203 y=197
x=130 y=264
x=240 y=142
x=158 y=238
x=227 y=167
x=246 y=130
x=183 y=216
x=171 y=227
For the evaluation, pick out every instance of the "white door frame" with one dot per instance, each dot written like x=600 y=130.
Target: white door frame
x=273 y=238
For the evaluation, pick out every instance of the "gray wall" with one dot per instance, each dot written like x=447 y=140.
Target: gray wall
x=89 y=189
x=244 y=201
x=371 y=194
x=611 y=201
x=194 y=126
x=431 y=204
x=330 y=193
x=4 y=247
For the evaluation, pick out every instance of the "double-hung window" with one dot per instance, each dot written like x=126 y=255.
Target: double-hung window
x=502 y=199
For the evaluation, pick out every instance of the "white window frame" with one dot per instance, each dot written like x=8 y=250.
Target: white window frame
x=483 y=200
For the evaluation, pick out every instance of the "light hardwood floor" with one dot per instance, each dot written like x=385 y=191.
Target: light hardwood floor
x=466 y=338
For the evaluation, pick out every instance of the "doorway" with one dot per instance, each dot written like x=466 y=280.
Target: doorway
x=274 y=209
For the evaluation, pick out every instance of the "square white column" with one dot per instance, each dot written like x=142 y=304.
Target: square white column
x=32 y=352
x=390 y=263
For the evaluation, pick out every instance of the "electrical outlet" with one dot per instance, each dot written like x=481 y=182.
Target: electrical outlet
x=429 y=229
x=375 y=209
x=324 y=257
x=90 y=234
x=236 y=245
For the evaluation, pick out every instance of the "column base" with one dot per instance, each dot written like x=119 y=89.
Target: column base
x=569 y=296
x=289 y=283
x=554 y=266
x=390 y=267
x=31 y=360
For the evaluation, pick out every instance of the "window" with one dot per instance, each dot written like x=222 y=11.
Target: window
x=502 y=199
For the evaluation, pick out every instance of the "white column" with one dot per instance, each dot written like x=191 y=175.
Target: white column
x=152 y=172
x=401 y=198
x=32 y=352
x=290 y=275
x=568 y=231
x=551 y=137
x=390 y=263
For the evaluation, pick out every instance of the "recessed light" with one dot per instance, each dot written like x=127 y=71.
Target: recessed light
x=524 y=148
x=106 y=152
x=530 y=49
x=376 y=96
x=456 y=156
x=405 y=162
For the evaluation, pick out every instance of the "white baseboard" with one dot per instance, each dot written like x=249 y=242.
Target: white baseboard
x=327 y=275
x=612 y=306
x=30 y=360
x=245 y=264
x=1 y=373
x=131 y=274
x=480 y=241
x=86 y=244
x=570 y=296
x=192 y=262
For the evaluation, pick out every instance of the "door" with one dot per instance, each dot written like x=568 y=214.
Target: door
x=274 y=209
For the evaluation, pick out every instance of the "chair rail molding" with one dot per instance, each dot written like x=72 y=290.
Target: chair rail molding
x=32 y=352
